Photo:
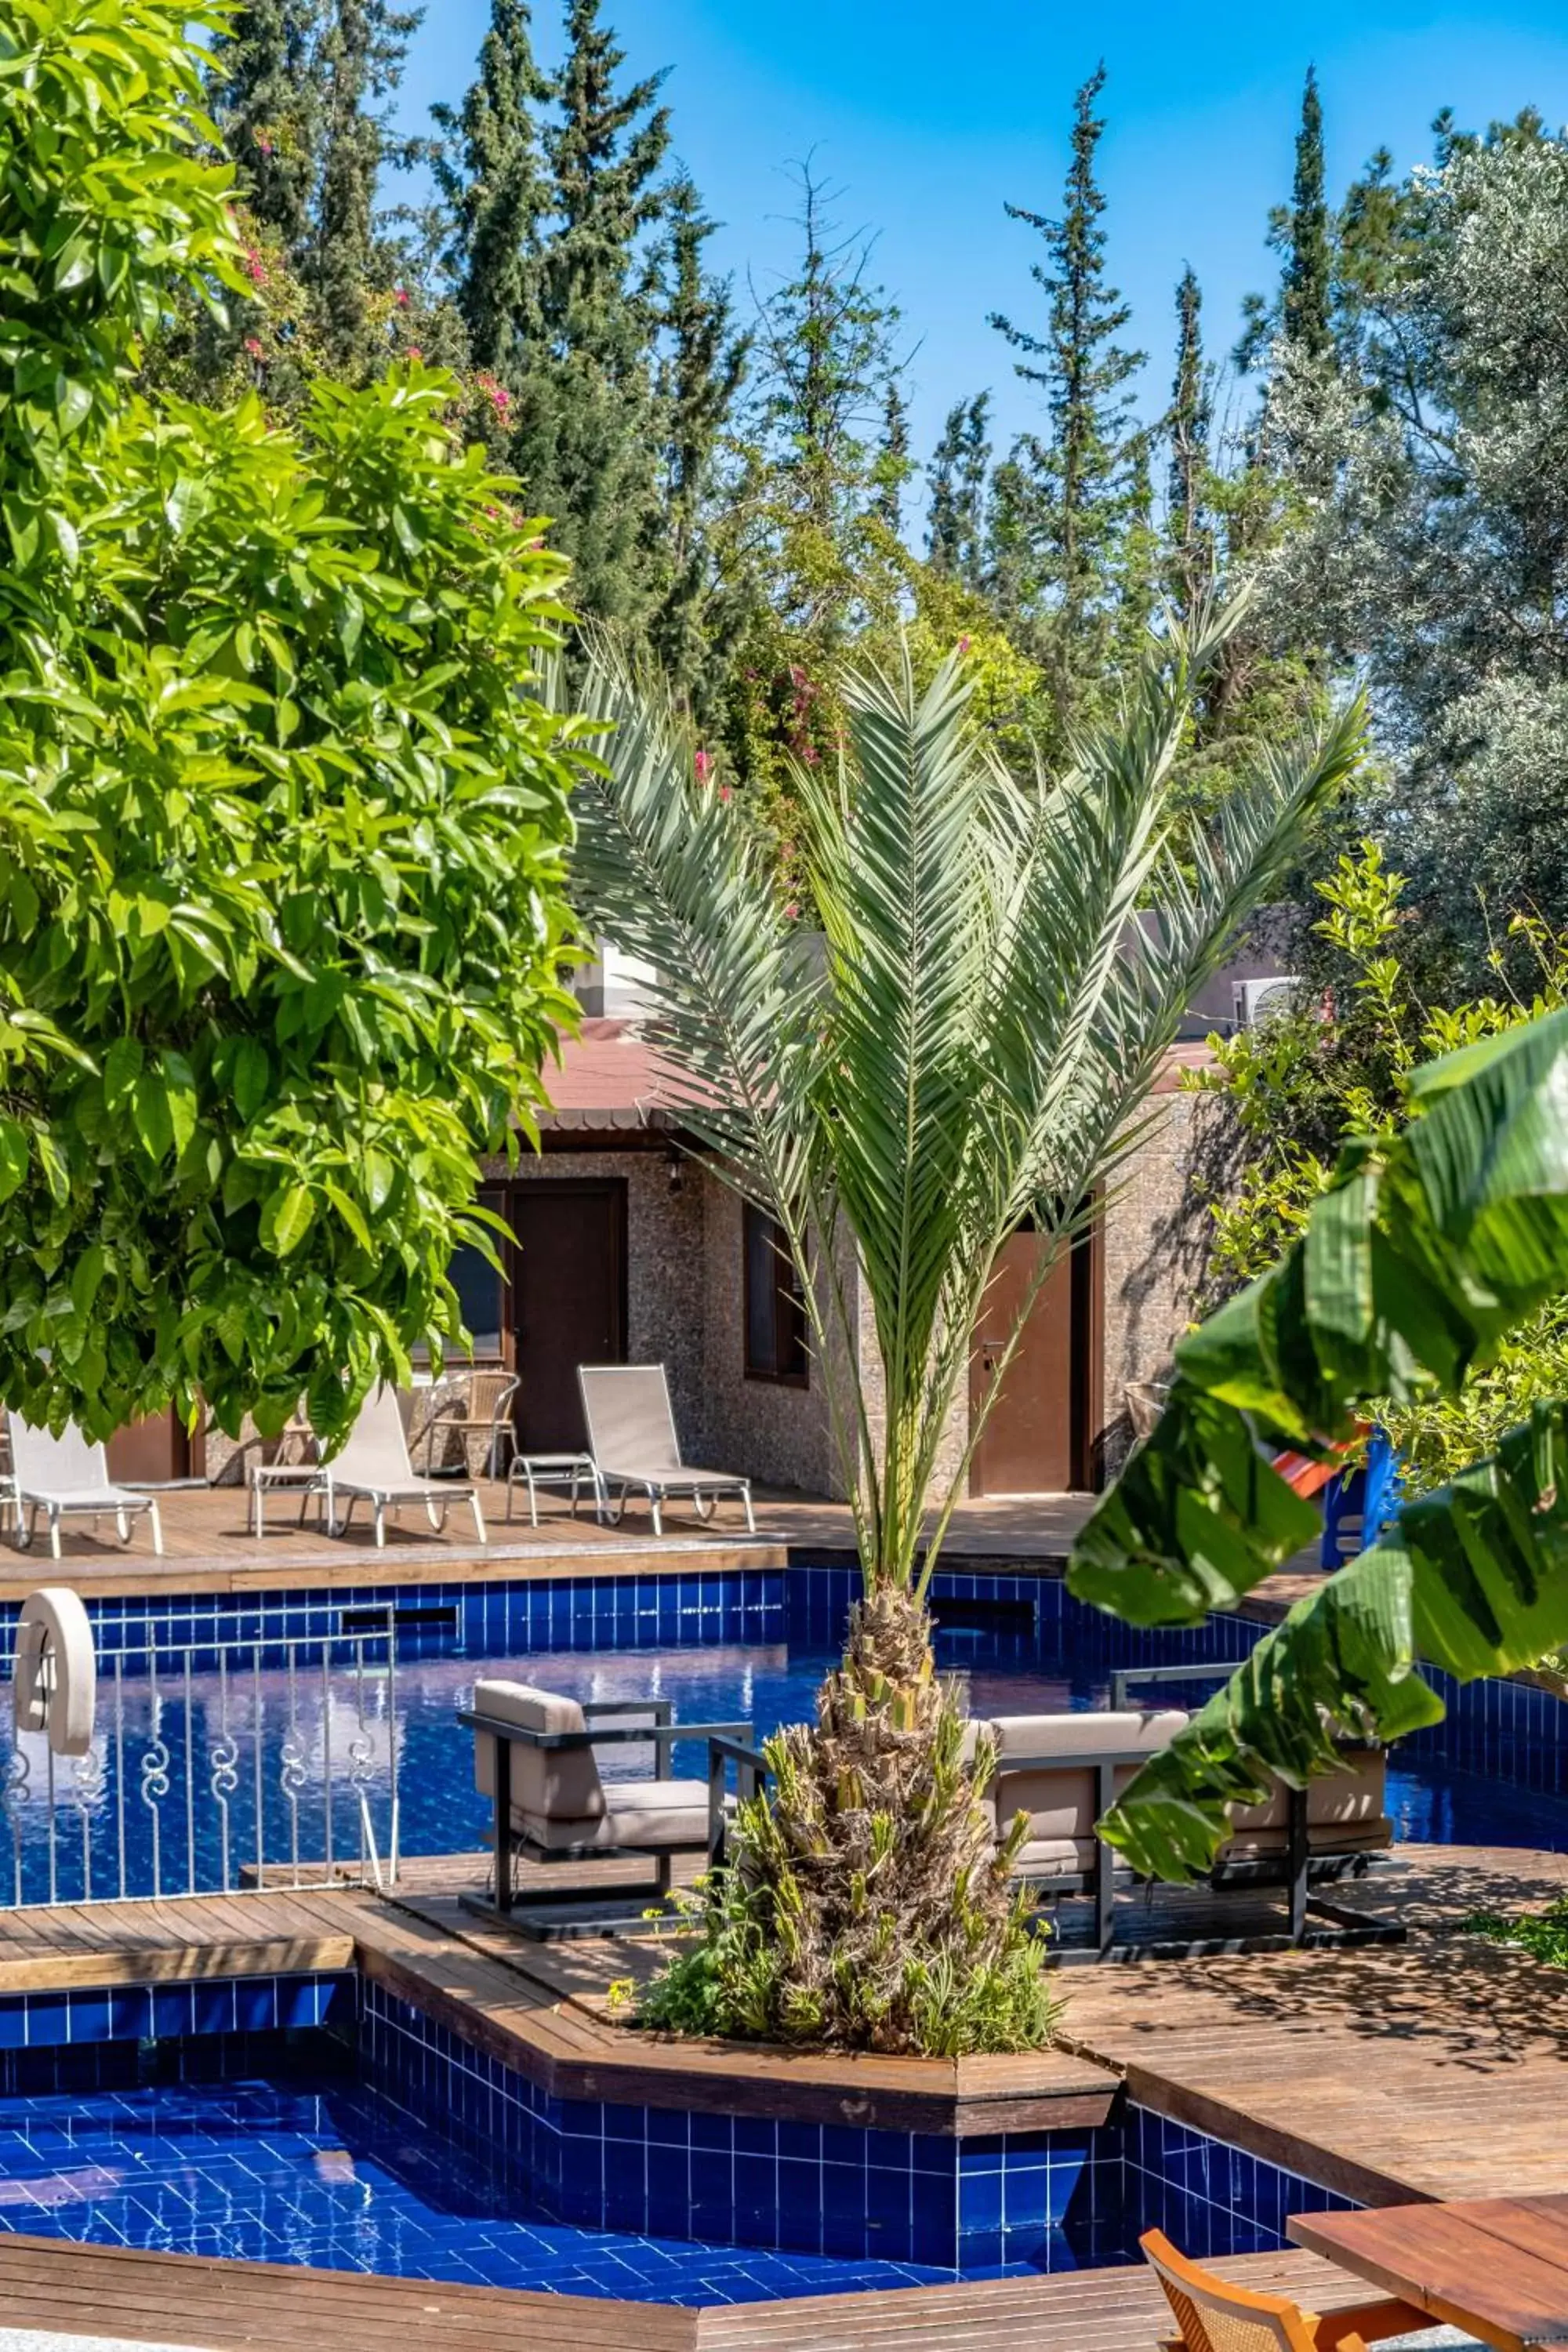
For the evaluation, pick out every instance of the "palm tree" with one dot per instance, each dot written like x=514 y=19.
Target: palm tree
x=968 y=1045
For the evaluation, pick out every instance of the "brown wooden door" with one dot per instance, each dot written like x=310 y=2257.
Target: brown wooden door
x=151 y=1453
x=1027 y=1447
x=568 y=1301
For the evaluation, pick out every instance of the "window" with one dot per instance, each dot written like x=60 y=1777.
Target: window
x=480 y=1291
x=776 y=1313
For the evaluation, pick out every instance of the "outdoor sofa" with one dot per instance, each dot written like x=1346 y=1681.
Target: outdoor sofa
x=1064 y=1771
x=536 y=1759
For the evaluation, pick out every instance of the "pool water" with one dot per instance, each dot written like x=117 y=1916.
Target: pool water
x=169 y=1782
x=268 y=2168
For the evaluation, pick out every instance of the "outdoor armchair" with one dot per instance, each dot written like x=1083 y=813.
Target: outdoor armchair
x=631 y=1436
x=374 y=1467
x=1214 y=2315
x=65 y=1476
x=535 y=1757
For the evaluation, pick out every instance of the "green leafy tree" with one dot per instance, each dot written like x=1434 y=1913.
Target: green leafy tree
x=804 y=541
x=490 y=170
x=1075 y=488
x=1340 y=1066
x=1433 y=1243
x=584 y=425
x=363 y=54
x=972 y=1048
x=893 y=466
x=281 y=830
x=1431 y=546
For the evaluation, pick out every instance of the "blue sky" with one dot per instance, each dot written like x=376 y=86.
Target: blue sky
x=929 y=116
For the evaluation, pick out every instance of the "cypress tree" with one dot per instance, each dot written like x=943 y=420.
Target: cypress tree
x=704 y=366
x=1137 y=558
x=1188 y=424
x=1301 y=232
x=490 y=169
x=1305 y=300
x=266 y=97
x=893 y=464
x=363 y=55
x=586 y=437
x=956 y=523
x=1081 y=475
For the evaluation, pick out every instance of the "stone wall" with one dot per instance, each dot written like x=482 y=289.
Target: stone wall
x=779 y=1435
x=1154 y=1248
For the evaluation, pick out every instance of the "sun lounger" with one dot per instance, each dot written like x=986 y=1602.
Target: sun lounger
x=374 y=1465
x=534 y=1758
x=631 y=1436
x=65 y=1476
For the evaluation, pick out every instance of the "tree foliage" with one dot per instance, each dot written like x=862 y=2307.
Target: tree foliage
x=1429 y=548
x=1075 y=488
x=1433 y=1243
x=280 y=829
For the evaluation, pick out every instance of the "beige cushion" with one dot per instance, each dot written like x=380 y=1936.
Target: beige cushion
x=1062 y=1802
x=647 y=1814
x=1345 y=1811
x=550 y=1782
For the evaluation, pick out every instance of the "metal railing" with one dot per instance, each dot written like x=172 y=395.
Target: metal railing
x=215 y=1768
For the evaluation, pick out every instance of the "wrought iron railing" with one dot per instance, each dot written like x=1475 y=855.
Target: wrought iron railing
x=213 y=1769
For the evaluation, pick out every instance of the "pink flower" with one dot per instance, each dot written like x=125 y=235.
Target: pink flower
x=254 y=266
x=703 y=763
x=415 y=351
x=400 y=296
x=791 y=911
x=253 y=346
x=963 y=645
x=265 y=145
x=725 y=793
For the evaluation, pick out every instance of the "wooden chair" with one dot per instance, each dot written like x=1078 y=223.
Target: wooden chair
x=1213 y=2315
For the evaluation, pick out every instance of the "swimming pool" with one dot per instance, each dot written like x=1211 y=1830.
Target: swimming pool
x=216 y=1716
x=321 y=2119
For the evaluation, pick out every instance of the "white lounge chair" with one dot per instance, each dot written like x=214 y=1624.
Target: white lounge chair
x=65 y=1475
x=631 y=1436
x=374 y=1465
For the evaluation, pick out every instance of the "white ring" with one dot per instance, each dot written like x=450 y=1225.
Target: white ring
x=53 y=1623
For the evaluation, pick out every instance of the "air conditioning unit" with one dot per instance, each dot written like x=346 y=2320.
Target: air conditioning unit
x=1264 y=999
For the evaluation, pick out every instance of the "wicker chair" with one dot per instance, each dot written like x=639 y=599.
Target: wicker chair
x=1213 y=2315
x=476 y=1407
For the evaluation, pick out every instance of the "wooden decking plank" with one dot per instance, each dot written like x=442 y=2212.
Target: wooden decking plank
x=203 y=2301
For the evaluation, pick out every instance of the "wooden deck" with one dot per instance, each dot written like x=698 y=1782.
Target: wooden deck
x=209 y=1547
x=1438 y=2069
x=1435 y=2069
x=185 y=2299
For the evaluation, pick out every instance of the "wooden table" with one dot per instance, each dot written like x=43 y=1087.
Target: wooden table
x=1495 y=2265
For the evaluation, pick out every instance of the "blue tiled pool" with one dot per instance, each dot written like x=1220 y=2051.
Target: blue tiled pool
x=268 y=2170
x=320 y=2120
x=748 y=1646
